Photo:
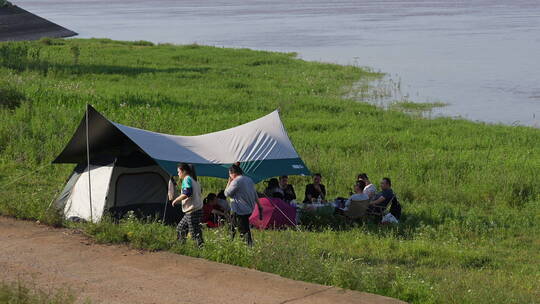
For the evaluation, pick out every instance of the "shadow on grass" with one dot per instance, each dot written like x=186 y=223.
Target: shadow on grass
x=44 y=68
x=22 y=58
x=10 y=97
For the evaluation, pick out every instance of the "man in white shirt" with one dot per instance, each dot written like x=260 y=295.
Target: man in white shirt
x=369 y=189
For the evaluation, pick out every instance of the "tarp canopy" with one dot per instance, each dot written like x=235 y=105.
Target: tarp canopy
x=261 y=146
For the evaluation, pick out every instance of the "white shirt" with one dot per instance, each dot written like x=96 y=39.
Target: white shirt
x=355 y=197
x=370 y=190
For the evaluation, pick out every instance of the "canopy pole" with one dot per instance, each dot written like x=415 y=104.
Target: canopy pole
x=88 y=165
x=165 y=210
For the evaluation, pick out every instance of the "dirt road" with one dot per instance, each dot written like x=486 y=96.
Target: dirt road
x=57 y=258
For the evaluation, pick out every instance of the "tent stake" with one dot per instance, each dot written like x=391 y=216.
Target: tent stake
x=88 y=164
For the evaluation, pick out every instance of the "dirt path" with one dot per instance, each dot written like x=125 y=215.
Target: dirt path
x=116 y=274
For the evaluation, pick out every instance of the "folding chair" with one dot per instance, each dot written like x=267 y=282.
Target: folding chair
x=357 y=210
x=380 y=211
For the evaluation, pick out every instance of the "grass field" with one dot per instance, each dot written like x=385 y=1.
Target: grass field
x=24 y=293
x=470 y=233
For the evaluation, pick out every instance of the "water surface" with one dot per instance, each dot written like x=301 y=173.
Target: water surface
x=482 y=57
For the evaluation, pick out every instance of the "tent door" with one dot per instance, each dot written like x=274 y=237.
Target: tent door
x=144 y=193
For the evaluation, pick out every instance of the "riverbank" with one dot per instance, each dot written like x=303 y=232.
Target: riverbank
x=474 y=56
x=469 y=190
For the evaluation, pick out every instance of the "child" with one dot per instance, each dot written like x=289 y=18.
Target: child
x=192 y=205
x=212 y=211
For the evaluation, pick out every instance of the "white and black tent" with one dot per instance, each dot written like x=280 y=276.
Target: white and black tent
x=121 y=168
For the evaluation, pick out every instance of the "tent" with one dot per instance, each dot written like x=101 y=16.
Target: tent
x=276 y=214
x=18 y=24
x=121 y=168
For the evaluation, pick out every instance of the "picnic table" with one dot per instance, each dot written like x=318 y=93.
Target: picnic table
x=319 y=209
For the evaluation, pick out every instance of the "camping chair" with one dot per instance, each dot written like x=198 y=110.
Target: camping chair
x=379 y=212
x=357 y=210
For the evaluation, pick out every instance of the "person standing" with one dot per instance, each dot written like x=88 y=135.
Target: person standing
x=315 y=191
x=288 y=189
x=192 y=205
x=241 y=190
x=370 y=188
x=222 y=202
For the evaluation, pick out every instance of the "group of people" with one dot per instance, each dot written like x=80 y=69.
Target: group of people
x=365 y=190
x=316 y=191
x=243 y=198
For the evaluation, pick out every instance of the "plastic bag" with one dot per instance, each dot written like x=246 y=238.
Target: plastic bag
x=389 y=219
x=171 y=191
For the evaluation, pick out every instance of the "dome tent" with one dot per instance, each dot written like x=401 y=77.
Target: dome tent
x=121 y=168
x=276 y=214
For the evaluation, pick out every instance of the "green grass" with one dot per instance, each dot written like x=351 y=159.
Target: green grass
x=23 y=293
x=470 y=192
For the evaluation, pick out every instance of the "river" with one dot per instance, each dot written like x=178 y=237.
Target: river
x=481 y=57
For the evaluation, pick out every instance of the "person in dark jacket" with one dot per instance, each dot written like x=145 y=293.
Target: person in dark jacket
x=315 y=191
x=382 y=199
x=288 y=189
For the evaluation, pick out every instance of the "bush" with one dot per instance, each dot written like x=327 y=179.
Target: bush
x=143 y=43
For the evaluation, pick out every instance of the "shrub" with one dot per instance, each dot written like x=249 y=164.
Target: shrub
x=143 y=43
x=10 y=97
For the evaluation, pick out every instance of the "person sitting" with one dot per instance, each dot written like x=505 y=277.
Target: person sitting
x=222 y=202
x=278 y=194
x=212 y=212
x=315 y=191
x=358 y=195
x=370 y=188
x=382 y=199
x=272 y=187
x=288 y=189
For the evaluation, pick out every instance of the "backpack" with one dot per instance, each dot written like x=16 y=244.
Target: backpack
x=395 y=208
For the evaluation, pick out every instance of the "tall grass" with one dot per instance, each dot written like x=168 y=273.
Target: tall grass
x=470 y=232
x=23 y=293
